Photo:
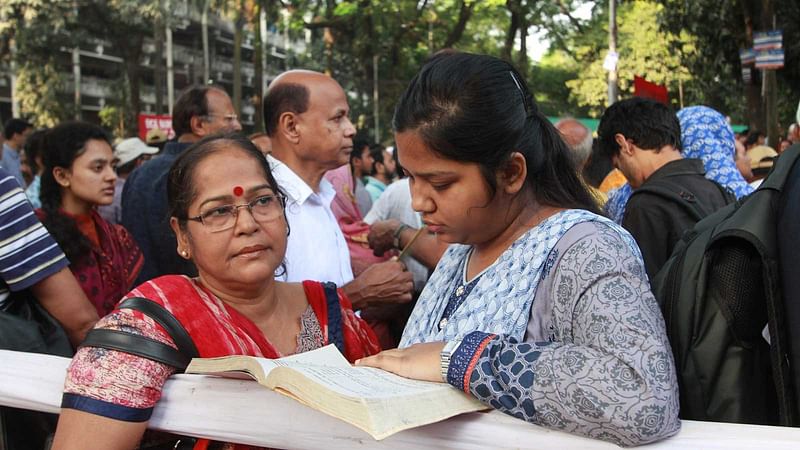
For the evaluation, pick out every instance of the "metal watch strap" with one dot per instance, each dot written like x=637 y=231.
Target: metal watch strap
x=445 y=355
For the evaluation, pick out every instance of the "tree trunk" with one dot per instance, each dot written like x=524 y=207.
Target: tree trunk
x=752 y=91
x=513 y=26
x=258 y=62
x=329 y=41
x=237 y=60
x=770 y=82
x=522 y=65
x=328 y=37
x=613 y=87
x=158 y=65
x=134 y=80
x=206 y=56
x=463 y=17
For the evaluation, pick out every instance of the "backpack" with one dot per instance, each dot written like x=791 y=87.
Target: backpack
x=685 y=199
x=720 y=294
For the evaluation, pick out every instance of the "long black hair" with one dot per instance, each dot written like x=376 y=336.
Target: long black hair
x=477 y=108
x=63 y=145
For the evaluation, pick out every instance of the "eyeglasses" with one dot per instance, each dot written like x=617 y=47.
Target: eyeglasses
x=229 y=118
x=263 y=209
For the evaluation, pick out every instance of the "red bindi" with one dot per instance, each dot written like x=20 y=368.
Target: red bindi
x=238 y=191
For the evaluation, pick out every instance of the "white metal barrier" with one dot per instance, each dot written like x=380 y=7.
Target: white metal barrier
x=243 y=411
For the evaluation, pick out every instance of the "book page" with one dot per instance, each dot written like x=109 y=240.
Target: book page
x=325 y=356
x=365 y=382
x=242 y=366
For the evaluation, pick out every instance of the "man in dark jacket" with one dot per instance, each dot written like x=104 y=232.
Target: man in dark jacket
x=199 y=111
x=643 y=139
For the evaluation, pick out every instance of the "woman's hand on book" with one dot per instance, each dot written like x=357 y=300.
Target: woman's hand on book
x=420 y=361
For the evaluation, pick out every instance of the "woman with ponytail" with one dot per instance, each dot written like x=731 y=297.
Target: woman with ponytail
x=540 y=307
x=78 y=176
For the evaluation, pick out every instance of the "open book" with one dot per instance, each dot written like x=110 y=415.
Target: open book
x=374 y=400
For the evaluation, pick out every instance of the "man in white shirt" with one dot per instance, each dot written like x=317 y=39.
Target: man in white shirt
x=306 y=118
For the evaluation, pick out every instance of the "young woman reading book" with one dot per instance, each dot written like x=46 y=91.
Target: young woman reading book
x=227 y=213
x=541 y=308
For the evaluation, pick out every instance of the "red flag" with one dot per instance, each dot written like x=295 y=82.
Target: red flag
x=644 y=88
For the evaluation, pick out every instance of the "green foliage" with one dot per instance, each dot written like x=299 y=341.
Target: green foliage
x=549 y=85
x=36 y=28
x=720 y=25
x=38 y=92
x=693 y=43
x=644 y=50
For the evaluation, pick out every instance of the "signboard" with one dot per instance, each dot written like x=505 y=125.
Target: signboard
x=767 y=40
x=610 y=63
x=148 y=122
x=770 y=59
x=747 y=75
x=747 y=55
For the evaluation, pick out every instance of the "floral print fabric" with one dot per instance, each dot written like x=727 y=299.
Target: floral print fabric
x=600 y=365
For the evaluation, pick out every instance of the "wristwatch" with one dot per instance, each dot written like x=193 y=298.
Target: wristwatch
x=397 y=232
x=445 y=355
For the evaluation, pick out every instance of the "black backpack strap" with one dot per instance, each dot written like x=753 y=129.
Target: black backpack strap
x=143 y=346
x=683 y=198
x=776 y=178
x=335 y=332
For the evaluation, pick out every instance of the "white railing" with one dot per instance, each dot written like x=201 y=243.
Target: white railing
x=243 y=411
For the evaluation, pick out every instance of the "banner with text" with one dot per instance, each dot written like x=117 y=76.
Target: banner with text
x=149 y=122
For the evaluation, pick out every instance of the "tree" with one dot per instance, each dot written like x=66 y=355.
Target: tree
x=644 y=50
x=716 y=69
x=124 y=23
x=34 y=29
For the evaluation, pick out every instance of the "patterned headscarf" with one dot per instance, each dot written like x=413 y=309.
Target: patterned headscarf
x=617 y=199
x=705 y=135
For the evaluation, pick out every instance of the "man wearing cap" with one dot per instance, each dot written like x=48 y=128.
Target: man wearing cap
x=761 y=160
x=199 y=111
x=128 y=155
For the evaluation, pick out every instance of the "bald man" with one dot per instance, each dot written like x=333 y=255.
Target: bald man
x=794 y=133
x=306 y=116
x=579 y=140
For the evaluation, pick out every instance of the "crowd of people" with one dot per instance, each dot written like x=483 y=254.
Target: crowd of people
x=487 y=248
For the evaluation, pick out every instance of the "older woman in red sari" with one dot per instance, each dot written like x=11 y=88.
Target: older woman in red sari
x=227 y=213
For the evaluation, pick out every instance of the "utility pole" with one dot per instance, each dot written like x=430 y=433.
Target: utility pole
x=612 y=49
x=204 y=32
x=376 y=110
x=15 y=109
x=76 y=77
x=770 y=82
x=170 y=71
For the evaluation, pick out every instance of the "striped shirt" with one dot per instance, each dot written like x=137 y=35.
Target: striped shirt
x=28 y=254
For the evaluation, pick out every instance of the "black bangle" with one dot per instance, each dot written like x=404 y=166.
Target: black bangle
x=397 y=235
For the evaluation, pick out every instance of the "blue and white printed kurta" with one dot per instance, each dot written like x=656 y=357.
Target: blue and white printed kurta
x=587 y=351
